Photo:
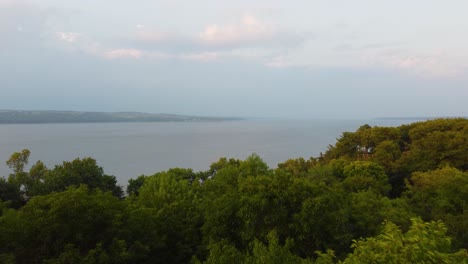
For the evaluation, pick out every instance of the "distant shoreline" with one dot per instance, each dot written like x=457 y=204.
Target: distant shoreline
x=51 y=117
x=418 y=118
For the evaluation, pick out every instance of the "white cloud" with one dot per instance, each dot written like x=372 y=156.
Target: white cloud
x=322 y=52
x=281 y=61
x=153 y=35
x=248 y=29
x=67 y=36
x=123 y=53
x=203 y=57
x=430 y=65
x=9 y=2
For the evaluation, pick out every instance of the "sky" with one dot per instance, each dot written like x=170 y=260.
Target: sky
x=255 y=58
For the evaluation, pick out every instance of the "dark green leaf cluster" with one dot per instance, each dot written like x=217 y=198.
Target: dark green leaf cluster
x=380 y=195
x=406 y=149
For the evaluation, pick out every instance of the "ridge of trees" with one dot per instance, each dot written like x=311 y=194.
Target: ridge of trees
x=379 y=195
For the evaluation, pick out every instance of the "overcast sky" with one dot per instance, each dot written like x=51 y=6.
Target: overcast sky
x=259 y=58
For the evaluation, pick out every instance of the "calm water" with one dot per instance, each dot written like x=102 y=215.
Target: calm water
x=128 y=150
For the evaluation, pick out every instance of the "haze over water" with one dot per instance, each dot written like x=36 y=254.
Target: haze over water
x=128 y=150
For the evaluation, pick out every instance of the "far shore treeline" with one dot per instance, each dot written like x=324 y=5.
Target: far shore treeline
x=41 y=117
x=378 y=195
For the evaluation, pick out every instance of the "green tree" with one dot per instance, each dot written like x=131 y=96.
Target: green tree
x=298 y=167
x=223 y=252
x=134 y=185
x=323 y=219
x=442 y=195
x=43 y=228
x=10 y=193
x=423 y=243
x=274 y=252
x=367 y=210
x=435 y=143
x=18 y=161
x=80 y=171
x=19 y=178
x=164 y=219
x=365 y=175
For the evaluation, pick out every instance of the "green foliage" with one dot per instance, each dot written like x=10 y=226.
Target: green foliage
x=10 y=233
x=435 y=143
x=273 y=253
x=18 y=180
x=423 y=243
x=387 y=153
x=47 y=223
x=70 y=255
x=253 y=166
x=365 y=175
x=223 y=162
x=363 y=143
x=18 y=161
x=134 y=185
x=40 y=180
x=10 y=193
x=442 y=195
x=322 y=221
x=298 y=167
x=224 y=253
x=7 y=258
x=406 y=149
x=164 y=218
x=258 y=252
x=80 y=171
x=367 y=210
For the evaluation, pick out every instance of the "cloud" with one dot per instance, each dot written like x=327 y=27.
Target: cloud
x=67 y=36
x=153 y=35
x=321 y=52
x=281 y=61
x=131 y=53
x=436 y=64
x=22 y=26
x=19 y=14
x=203 y=57
x=123 y=53
x=9 y=2
x=246 y=38
x=248 y=30
x=83 y=43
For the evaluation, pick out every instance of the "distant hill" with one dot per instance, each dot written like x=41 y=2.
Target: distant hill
x=418 y=118
x=35 y=117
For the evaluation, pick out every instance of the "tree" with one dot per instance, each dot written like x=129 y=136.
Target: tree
x=435 y=143
x=298 y=167
x=44 y=227
x=367 y=210
x=80 y=171
x=365 y=175
x=223 y=252
x=274 y=252
x=164 y=219
x=442 y=194
x=18 y=161
x=134 y=185
x=10 y=193
x=253 y=166
x=423 y=243
x=19 y=178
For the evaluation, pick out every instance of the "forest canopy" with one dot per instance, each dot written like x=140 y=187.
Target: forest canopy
x=378 y=195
